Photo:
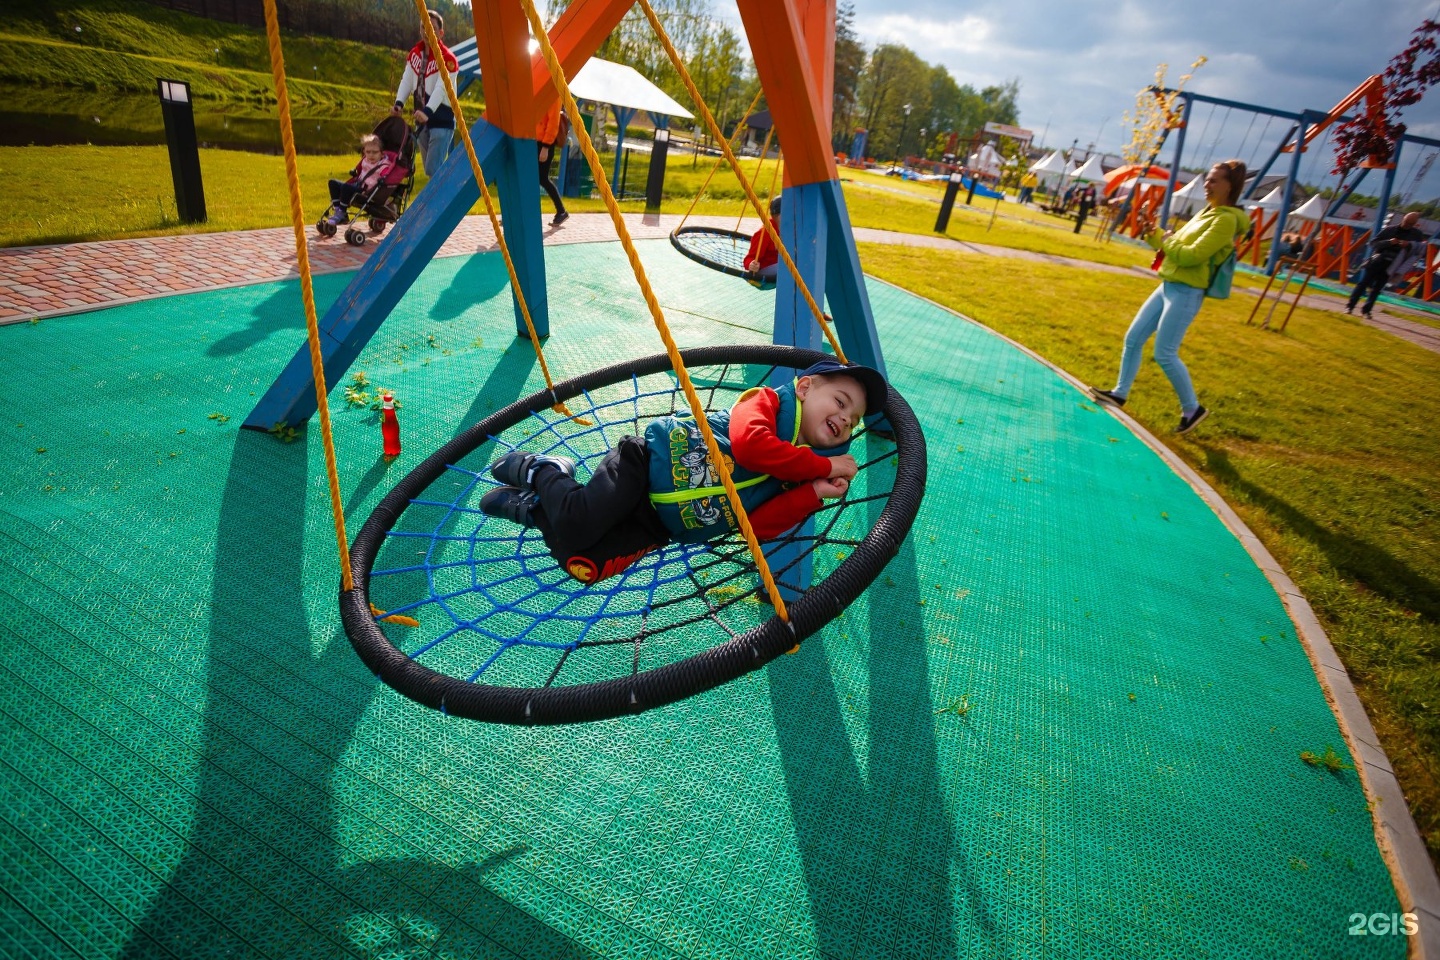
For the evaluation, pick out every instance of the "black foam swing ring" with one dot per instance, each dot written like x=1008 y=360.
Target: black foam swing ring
x=507 y=637
x=722 y=250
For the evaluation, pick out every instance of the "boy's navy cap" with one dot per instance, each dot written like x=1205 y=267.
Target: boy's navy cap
x=874 y=383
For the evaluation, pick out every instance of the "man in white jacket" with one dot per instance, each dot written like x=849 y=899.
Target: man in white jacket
x=433 y=115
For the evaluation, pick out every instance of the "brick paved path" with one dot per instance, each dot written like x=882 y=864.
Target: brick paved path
x=38 y=282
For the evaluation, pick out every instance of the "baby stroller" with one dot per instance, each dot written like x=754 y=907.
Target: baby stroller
x=384 y=204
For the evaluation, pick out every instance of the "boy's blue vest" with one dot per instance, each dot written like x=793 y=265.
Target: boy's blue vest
x=685 y=489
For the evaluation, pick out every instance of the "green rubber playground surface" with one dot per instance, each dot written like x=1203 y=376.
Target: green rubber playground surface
x=1064 y=722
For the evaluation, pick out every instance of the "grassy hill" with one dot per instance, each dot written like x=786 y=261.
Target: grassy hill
x=120 y=45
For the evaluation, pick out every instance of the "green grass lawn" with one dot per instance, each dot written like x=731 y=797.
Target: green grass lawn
x=1321 y=440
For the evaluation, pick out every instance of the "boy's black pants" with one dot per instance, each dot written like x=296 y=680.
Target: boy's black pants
x=597 y=530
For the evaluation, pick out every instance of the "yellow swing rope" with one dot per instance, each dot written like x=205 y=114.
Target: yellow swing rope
x=307 y=290
x=764 y=149
x=735 y=165
x=720 y=162
x=464 y=131
x=697 y=409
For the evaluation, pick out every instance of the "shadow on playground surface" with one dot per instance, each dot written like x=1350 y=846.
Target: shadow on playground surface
x=195 y=764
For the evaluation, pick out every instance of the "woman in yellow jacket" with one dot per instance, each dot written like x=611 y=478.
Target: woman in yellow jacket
x=1191 y=256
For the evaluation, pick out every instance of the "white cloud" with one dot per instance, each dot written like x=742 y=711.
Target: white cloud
x=963 y=35
x=1080 y=65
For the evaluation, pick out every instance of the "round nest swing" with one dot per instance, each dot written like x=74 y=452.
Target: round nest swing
x=506 y=636
x=722 y=250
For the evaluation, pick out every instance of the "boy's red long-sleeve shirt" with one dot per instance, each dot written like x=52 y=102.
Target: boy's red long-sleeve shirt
x=762 y=249
x=756 y=446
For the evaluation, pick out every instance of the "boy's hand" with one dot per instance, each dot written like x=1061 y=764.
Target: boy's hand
x=843 y=466
x=830 y=489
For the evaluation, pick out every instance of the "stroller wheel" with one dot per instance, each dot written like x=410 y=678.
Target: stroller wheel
x=377 y=227
x=325 y=227
x=354 y=237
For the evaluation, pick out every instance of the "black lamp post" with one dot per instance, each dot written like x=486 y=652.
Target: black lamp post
x=900 y=146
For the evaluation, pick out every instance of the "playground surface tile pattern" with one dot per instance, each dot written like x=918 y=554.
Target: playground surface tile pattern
x=1066 y=721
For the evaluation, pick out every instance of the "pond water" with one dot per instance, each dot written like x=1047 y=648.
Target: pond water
x=116 y=119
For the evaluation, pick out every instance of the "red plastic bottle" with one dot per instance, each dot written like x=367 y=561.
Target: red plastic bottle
x=389 y=426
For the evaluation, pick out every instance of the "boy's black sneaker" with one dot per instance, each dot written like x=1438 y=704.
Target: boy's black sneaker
x=517 y=467
x=510 y=503
x=1107 y=396
x=560 y=218
x=1191 y=422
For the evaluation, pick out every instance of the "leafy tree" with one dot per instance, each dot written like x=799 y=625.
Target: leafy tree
x=849 y=65
x=1000 y=106
x=893 y=77
x=710 y=49
x=1370 y=138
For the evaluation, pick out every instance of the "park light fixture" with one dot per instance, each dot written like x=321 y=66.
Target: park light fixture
x=900 y=144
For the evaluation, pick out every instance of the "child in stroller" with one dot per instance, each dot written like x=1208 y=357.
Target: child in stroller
x=378 y=187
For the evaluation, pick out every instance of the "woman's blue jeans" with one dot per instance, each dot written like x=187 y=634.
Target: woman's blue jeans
x=1166 y=315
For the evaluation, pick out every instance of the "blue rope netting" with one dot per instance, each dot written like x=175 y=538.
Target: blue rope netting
x=495 y=609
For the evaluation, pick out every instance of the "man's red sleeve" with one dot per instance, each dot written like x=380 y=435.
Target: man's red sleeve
x=755 y=445
x=780 y=513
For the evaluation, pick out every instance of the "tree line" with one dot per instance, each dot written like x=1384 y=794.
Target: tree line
x=872 y=87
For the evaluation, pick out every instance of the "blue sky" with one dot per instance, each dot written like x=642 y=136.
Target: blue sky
x=1080 y=63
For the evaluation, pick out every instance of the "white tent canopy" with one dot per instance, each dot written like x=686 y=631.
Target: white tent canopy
x=1312 y=209
x=599 y=80
x=1187 y=198
x=1272 y=201
x=1051 y=164
x=1090 y=169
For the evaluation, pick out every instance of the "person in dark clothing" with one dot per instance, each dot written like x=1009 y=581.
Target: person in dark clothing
x=550 y=135
x=1086 y=206
x=1389 y=244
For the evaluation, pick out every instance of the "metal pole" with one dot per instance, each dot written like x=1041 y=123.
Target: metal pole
x=1175 y=165
x=1385 y=195
x=1298 y=133
x=1275 y=154
x=948 y=204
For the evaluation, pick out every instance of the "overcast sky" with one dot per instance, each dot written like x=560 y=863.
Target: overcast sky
x=1080 y=63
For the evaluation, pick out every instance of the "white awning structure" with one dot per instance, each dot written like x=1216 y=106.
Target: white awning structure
x=622 y=86
x=599 y=80
x=1090 y=169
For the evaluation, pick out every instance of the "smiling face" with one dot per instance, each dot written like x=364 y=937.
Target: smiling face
x=832 y=407
x=1217 y=187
